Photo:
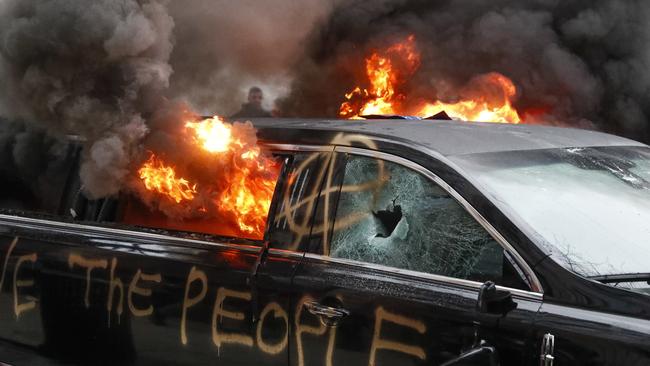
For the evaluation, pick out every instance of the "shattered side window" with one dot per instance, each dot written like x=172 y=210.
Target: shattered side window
x=390 y=215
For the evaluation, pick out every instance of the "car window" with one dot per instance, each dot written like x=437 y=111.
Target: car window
x=588 y=208
x=226 y=223
x=390 y=215
x=292 y=221
x=35 y=170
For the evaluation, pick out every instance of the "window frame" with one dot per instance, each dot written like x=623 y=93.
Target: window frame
x=536 y=289
x=66 y=223
x=293 y=150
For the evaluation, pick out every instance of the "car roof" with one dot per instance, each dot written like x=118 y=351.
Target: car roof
x=455 y=137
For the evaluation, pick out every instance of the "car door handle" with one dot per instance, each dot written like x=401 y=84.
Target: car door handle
x=329 y=316
x=548 y=349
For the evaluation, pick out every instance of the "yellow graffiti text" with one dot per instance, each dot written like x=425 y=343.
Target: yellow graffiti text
x=89 y=265
x=381 y=315
x=311 y=330
x=113 y=284
x=144 y=292
x=4 y=267
x=195 y=275
x=278 y=312
x=19 y=308
x=219 y=312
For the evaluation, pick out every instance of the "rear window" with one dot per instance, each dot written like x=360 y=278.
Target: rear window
x=39 y=177
x=36 y=171
x=245 y=218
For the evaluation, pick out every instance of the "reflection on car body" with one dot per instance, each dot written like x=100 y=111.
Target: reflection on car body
x=383 y=245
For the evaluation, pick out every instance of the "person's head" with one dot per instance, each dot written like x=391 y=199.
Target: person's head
x=255 y=96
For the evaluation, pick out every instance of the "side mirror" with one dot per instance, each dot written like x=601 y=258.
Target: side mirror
x=494 y=301
x=479 y=356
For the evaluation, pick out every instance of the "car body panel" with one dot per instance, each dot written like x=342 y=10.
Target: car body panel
x=165 y=293
x=402 y=318
x=584 y=337
x=259 y=292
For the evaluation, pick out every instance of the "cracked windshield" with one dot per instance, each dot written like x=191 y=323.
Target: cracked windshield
x=589 y=208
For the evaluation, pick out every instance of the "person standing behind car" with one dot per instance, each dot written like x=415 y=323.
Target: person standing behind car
x=253 y=108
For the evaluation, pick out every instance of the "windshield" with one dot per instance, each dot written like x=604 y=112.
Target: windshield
x=589 y=208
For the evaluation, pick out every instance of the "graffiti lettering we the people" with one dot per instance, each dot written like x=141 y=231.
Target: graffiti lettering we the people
x=134 y=300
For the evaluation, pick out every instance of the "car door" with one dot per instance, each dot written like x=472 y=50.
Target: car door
x=289 y=230
x=299 y=182
x=91 y=295
x=84 y=293
x=395 y=278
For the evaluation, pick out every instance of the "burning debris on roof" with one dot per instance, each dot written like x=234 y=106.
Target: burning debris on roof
x=573 y=63
x=485 y=98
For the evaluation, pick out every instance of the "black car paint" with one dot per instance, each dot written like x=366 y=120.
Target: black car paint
x=562 y=289
x=594 y=324
x=179 y=300
x=405 y=320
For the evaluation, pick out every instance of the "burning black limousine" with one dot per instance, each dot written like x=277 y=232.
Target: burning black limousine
x=383 y=242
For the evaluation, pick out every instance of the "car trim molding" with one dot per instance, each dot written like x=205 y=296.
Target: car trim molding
x=305 y=148
x=283 y=253
x=473 y=285
x=85 y=229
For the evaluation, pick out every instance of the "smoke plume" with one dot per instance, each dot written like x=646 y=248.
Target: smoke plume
x=94 y=69
x=580 y=63
x=102 y=70
x=223 y=47
x=31 y=177
x=113 y=71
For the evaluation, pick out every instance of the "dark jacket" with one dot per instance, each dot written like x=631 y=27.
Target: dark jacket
x=249 y=110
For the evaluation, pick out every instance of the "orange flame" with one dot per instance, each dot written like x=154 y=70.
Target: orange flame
x=251 y=200
x=249 y=191
x=389 y=70
x=211 y=134
x=482 y=108
x=158 y=177
x=240 y=186
x=383 y=75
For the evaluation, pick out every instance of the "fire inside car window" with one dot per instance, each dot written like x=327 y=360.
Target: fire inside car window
x=225 y=186
x=245 y=217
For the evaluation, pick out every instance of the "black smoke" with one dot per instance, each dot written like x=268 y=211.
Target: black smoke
x=34 y=168
x=575 y=62
x=113 y=71
x=93 y=69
